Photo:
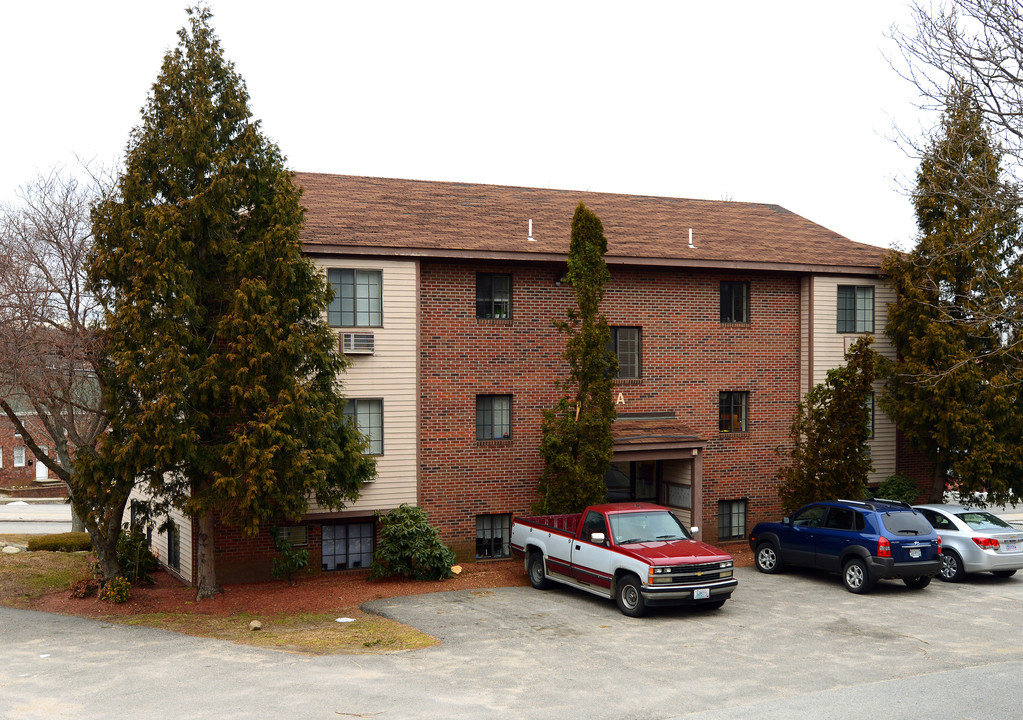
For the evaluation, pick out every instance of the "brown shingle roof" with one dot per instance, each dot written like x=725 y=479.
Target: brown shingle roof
x=645 y=432
x=349 y=214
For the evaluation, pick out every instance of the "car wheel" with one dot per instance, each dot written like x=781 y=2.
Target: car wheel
x=767 y=559
x=917 y=583
x=537 y=573
x=629 y=598
x=856 y=577
x=1003 y=573
x=952 y=569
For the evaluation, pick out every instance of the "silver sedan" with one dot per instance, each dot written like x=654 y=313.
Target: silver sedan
x=974 y=541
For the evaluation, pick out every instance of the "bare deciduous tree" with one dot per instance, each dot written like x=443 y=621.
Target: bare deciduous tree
x=51 y=345
x=975 y=48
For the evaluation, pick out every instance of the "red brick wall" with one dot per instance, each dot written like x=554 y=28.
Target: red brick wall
x=914 y=465
x=688 y=356
x=241 y=558
x=20 y=477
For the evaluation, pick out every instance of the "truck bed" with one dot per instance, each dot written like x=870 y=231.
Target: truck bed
x=564 y=523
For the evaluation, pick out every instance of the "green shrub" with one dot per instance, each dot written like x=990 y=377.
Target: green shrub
x=898 y=487
x=134 y=557
x=410 y=546
x=116 y=591
x=290 y=559
x=83 y=587
x=61 y=542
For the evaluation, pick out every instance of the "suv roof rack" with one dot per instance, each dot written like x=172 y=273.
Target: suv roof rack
x=873 y=503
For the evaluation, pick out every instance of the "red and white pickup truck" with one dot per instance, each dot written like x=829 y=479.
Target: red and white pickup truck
x=637 y=553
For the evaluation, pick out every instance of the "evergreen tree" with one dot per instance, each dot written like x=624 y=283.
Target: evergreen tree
x=830 y=456
x=577 y=445
x=949 y=391
x=222 y=371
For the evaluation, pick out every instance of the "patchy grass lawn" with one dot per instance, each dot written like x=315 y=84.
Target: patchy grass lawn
x=300 y=619
x=309 y=633
x=27 y=576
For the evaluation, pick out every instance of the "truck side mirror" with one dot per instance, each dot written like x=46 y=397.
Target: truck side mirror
x=597 y=538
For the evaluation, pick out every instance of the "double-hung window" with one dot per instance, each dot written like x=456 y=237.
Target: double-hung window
x=357 y=298
x=369 y=415
x=734 y=302
x=626 y=343
x=493 y=417
x=732 y=407
x=19 y=456
x=493 y=296
x=855 y=308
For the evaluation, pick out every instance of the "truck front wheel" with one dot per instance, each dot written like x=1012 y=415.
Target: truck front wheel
x=537 y=574
x=629 y=597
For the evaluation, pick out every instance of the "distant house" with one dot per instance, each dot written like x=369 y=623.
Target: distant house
x=21 y=474
x=723 y=314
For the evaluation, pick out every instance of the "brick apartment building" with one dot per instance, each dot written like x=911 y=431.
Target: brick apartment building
x=723 y=315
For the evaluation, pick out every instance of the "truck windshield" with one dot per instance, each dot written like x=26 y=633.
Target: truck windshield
x=640 y=527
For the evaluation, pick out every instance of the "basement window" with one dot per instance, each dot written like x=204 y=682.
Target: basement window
x=492 y=535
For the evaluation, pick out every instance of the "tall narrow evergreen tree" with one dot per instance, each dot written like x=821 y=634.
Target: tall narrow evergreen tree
x=949 y=391
x=577 y=445
x=222 y=371
x=830 y=456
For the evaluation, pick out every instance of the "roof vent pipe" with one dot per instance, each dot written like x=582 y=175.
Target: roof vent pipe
x=531 y=238
x=690 y=239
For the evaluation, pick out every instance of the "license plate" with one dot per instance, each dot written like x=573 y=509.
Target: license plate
x=914 y=553
x=1011 y=547
x=701 y=594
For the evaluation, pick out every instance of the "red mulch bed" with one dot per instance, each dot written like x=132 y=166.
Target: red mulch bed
x=317 y=593
x=326 y=592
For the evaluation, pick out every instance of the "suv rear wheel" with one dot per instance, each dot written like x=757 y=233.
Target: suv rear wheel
x=856 y=577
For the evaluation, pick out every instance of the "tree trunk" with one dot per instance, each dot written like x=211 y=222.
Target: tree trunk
x=106 y=553
x=937 y=493
x=206 y=571
x=76 y=523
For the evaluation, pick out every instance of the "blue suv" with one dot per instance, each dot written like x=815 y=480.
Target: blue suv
x=863 y=540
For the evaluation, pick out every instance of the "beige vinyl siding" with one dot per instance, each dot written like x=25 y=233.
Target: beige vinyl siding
x=829 y=348
x=390 y=374
x=159 y=544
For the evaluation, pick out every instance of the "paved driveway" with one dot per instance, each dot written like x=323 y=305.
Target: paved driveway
x=794 y=645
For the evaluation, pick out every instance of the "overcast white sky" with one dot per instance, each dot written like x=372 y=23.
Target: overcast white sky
x=779 y=102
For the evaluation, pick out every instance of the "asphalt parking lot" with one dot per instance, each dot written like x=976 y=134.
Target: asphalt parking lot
x=792 y=645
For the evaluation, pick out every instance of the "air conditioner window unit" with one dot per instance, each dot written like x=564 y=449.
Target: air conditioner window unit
x=357 y=343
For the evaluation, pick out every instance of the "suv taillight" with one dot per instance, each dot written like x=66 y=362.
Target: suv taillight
x=884 y=548
x=939 y=544
x=986 y=543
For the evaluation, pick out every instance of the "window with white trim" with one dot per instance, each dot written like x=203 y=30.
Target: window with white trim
x=19 y=456
x=855 y=308
x=357 y=298
x=369 y=415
